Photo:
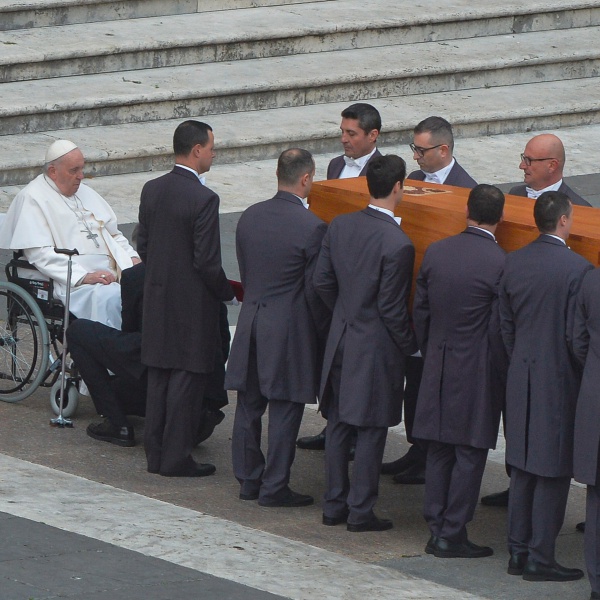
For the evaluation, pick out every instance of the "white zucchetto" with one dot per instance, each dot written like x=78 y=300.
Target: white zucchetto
x=59 y=148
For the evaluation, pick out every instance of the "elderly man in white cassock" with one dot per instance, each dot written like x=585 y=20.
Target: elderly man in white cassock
x=57 y=210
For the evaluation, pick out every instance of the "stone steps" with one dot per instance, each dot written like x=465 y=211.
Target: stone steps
x=300 y=80
x=242 y=137
x=228 y=35
x=278 y=74
x=21 y=14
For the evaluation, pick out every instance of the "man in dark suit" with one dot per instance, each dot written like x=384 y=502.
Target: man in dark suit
x=274 y=356
x=537 y=305
x=360 y=127
x=364 y=274
x=586 y=347
x=179 y=241
x=433 y=148
x=456 y=319
x=542 y=164
x=97 y=349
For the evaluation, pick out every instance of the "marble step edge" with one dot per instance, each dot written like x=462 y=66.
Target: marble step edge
x=16 y=14
x=242 y=137
x=237 y=35
x=293 y=81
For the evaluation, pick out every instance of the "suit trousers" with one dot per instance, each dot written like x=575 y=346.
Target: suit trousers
x=413 y=372
x=454 y=475
x=172 y=409
x=270 y=477
x=359 y=495
x=592 y=533
x=536 y=511
x=98 y=349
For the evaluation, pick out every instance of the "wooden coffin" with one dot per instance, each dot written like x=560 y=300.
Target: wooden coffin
x=432 y=212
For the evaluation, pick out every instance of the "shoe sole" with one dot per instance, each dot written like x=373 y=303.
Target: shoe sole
x=355 y=529
x=514 y=571
x=284 y=505
x=527 y=577
x=441 y=554
x=248 y=496
x=115 y=441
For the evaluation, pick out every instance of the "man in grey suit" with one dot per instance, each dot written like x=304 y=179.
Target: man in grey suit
x=586 y=347
x=543 y=163
x=360 y=127
x=179 y=241
x=537 y=305
x=456 y=319
x=274 y=359
x=364 y=274
x=433 y=149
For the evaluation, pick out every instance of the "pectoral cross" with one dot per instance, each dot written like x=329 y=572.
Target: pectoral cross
x=91 y=236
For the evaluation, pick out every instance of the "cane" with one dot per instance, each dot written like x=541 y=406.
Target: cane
x=61 y=421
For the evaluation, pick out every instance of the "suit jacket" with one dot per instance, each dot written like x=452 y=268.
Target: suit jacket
x=277 y=243
x=457 y=176
x=337 y=164
x=455 y=313
x=364 y=274
x=180 y=243
x=537 y=306
x=521 y=190
x=586 y=347
x=132 y=296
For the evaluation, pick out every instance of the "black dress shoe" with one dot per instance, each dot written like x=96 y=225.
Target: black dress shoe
x=535 y=571
x=414 y=475
x=431 y=543
x=397 y=466
x=516 y=563
x=105 y=431
x=289 y=499
x=497 y=499
x=595 y=596
x=249 y=496
x=447 y=549
x=333 y=521
x=198 y=470
x=210 y=419
x=580 y=527
x=312 y=442
x=373 y=524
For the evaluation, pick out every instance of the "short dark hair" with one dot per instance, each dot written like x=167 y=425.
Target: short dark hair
x=368 y=116
x=189 y=134
x=549 y=208
x=293 y=164
x=439 y=129
x=382 y=174
x=485 y=204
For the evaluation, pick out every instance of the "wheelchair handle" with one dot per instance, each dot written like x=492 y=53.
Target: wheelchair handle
x=66 y=251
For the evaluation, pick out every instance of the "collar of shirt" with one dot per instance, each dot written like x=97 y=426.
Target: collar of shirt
x=353 y=166
x=303 y=200
x=439 y=176
x=202 y=180
x=535 y=194
x=556 y=237
x=387 y=212
x=484 y=230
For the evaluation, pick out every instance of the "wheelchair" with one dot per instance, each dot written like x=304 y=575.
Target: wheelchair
x=31 y=330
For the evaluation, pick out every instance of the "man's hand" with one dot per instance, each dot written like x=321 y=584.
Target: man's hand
x=135 y=260
x=104 y=277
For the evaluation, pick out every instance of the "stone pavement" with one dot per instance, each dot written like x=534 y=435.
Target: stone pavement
x=83 y=519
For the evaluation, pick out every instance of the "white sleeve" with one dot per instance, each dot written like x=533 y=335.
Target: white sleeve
x=54 y=265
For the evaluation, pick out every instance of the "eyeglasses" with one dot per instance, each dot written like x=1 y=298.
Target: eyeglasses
x=527 y=160
x=421 y=151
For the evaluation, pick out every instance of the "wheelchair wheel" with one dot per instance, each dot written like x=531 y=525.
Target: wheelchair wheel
x=24 y=344
x=71 y=399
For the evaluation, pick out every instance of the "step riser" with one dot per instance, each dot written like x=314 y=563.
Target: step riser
x=91 y=12
x=239 y=154
x=351 y=91
x=166 y=57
